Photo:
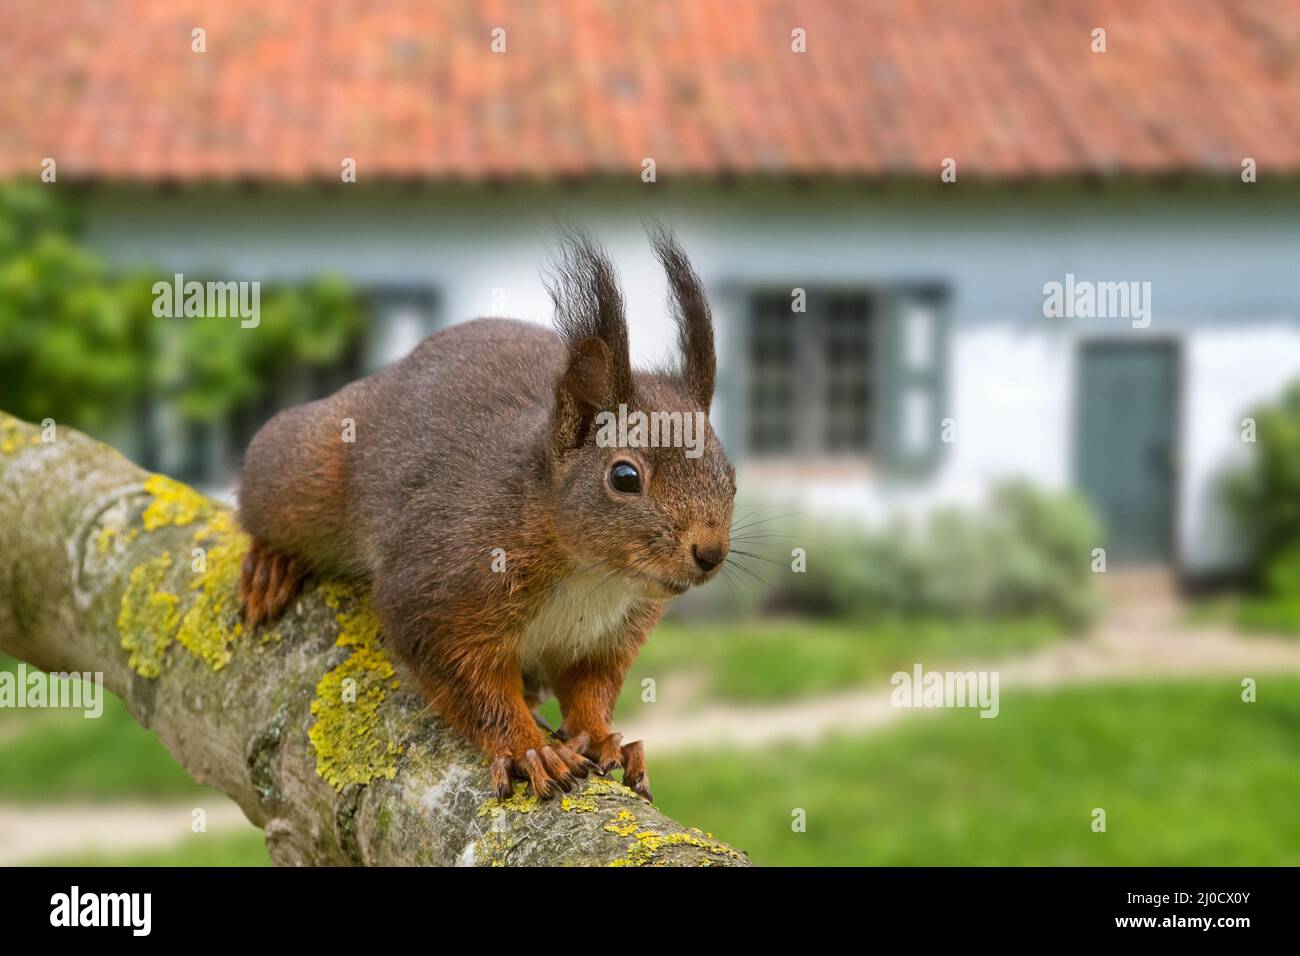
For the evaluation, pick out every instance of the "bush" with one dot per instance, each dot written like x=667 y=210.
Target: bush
x=1026 y=554
x=1265 y=495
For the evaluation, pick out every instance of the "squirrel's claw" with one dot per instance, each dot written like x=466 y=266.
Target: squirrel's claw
x=604 y=755
x=268 y=581
x=499 y=775
x=634 y=772
x=549 y=770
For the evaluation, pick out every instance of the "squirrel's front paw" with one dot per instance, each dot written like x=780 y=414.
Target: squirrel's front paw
x=549 y=769
x=605 y=752
x=609 y=752
x=634 y=774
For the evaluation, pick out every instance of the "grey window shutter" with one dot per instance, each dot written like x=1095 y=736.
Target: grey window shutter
x=913 y=357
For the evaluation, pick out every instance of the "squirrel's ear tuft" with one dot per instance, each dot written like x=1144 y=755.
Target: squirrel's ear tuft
x=691 y=312
x=589 y=305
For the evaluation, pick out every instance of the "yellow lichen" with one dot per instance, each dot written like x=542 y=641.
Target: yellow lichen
x=348 y=733
x=148 y=617
x=647 y=844
x=494 y=846
x=12 y=437
x=173 y=504
x=111 y=535
x=211 y=626
x=522 y=800
x=624 y=824
x=599 y=785
x=578 y=805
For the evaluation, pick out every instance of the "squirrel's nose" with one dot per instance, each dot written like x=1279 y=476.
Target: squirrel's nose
x=708 y=557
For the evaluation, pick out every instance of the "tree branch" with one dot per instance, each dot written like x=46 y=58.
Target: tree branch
x=309 y=726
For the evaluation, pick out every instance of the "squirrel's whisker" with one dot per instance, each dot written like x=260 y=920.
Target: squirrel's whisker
x=792 y=514
x=760 y=557
x=757 y=577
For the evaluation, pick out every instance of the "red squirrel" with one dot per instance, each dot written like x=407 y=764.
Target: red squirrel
x=511 y=553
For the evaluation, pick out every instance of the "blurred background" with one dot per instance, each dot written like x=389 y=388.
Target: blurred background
x=934 y=470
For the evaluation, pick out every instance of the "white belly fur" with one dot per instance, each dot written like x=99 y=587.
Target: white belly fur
x=580 y=619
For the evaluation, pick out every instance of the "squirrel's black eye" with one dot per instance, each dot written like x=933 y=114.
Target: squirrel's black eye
x=625 y=478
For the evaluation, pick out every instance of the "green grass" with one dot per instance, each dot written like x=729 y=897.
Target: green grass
x=769 y=661
x=62 y=754
x=1187 y=773
x=241 y=848
x=1249 y=613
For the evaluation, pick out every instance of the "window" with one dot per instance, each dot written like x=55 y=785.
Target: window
x=810 y=374
x=857 y=373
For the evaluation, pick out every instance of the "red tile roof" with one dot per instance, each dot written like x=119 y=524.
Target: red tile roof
x=287 y=88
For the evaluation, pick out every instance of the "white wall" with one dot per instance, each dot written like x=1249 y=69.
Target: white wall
x=1221 y=260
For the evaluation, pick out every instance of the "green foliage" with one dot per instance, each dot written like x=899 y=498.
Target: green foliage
x=219 y=366
x=1026 y=554
x=81 y=344
x=1265 y=493
x=75 y=343
x=1265 y=498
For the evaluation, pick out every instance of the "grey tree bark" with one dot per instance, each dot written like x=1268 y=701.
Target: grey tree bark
x=310 y=727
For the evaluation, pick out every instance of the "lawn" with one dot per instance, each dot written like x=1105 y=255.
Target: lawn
x=1250 y=613
x=769 y=661
x=62 y=754
x=239 y=848
x=1187 y=773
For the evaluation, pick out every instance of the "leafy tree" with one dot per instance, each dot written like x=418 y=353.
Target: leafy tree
x=75 y=343
x=82 y=345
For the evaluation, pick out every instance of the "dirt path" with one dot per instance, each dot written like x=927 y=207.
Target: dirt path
x=1141 y=640
x=29 y=834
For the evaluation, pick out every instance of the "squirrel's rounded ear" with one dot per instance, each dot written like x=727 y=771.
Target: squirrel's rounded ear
x=581 y=392
x=588 y=378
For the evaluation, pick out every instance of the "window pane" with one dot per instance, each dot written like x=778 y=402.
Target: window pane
x=847 y=358
x=773 y=365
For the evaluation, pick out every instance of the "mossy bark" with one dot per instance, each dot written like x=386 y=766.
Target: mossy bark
x=310 y=726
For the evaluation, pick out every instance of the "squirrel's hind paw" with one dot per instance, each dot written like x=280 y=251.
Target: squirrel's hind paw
x=268 y=581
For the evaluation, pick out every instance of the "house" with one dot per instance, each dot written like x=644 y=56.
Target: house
x=946 y=244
